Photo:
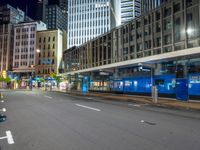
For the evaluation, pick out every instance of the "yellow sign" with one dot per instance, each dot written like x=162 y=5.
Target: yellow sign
x=4 y=74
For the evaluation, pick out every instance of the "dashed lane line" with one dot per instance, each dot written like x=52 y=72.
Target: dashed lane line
x=87 y=107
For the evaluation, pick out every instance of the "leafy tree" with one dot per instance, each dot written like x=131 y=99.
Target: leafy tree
x=1 y=79
x=7 y=80
x=56 y=78
x=42 y=80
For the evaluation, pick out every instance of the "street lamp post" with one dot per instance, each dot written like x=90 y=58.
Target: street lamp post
x=38 y=52
x=154 y=90
x=32 y=66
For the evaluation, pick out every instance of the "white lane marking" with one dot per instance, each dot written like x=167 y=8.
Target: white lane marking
x=66 y=94
x=95 y=109
x=135 y=105
x=2 y=101
x=89 y=98
x=9 y=137
x=48 y=97
x=5 y=137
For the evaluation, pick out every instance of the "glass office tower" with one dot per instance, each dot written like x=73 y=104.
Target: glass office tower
x=130 y=9
x=90 y=18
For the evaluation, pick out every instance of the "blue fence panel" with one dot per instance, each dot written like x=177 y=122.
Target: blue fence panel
x=194 y=84
x=165 y=84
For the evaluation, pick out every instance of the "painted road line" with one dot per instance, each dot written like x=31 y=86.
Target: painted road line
x=5 y=137
x=48 y=97
x=89 y=98
x=95 y=109
x=9 y=137
x=135 y=105
x=2 y=101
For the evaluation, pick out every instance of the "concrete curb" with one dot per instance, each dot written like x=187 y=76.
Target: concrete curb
x=143 y=100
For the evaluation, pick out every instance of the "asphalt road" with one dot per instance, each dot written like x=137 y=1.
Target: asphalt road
x=56 y=121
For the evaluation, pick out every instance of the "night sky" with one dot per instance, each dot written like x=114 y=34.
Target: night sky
x=22 y=5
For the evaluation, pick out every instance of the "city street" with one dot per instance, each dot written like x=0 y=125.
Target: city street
x=38 y=120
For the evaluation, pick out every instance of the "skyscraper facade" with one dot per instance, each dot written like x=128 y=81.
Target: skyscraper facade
x=130 y=9
x=56 y=18
x=63 y=4
x=9 y=16
x=90 y=18
x=148 y=5
x=40 y=10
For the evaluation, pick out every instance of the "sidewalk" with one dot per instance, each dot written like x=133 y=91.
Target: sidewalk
x=165 y=102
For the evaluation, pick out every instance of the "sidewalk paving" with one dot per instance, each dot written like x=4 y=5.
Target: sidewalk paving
x=165 y=102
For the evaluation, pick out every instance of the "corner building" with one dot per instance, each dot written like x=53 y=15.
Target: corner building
x=49 y=52
x=160 y=48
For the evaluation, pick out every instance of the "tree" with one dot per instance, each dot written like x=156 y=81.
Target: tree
x=42 y=80
x=56 y=78
x=1 y=79
x=7 y=80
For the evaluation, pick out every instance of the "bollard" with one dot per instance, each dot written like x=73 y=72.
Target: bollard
x=155 y=94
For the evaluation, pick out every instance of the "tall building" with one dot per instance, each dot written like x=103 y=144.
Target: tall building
x=160 y=48
x=9 y=16
x=130 y=9
x=88 y=19
x=40 y=10
x=148 y=5
x=49 y=52
x=56 y=18
x=25 y=47
x=63 y=4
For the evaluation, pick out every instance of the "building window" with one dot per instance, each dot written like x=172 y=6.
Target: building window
x=167 y=24
x=177 y=7
x=167 y=39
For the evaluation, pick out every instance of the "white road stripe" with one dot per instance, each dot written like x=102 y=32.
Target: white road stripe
x=89 y=98
x=5 y=137
x=48 y=97
x=9 y=137
x=2 y=101
x=95 y=109
x=135 y=105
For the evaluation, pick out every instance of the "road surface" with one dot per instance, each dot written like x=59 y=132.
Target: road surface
x=40 y=120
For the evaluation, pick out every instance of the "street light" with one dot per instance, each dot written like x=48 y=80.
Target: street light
x=154 y=91
x=32 y=66
x=38 y=50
